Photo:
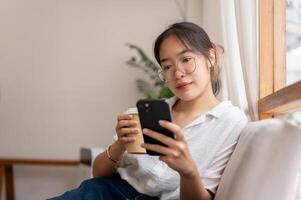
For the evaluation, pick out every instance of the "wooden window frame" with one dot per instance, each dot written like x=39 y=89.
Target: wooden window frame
x=275 y=97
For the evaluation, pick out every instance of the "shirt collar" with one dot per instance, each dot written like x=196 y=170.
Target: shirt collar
x=171 y=101
x=216 y=112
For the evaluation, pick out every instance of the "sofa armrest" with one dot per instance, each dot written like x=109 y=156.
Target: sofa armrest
x=264 y=164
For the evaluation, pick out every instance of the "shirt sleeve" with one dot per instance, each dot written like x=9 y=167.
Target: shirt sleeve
x=212 y=176
x=214 y=172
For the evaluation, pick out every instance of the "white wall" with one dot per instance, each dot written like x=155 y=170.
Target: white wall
x=63 y=78
x=211 y=20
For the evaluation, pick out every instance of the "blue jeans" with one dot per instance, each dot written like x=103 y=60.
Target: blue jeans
x=113 y=188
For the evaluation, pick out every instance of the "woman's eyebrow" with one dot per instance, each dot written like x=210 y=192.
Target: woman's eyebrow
x=178 y=54
x=184 y=51
x=163 y=60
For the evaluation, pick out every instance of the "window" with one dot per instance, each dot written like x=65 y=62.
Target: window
x=293 y=41
x=276 y=97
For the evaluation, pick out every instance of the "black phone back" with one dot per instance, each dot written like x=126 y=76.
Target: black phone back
x=150 y=112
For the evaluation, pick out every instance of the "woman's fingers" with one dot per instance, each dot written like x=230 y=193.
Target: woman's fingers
x=126 y=128
x=165 y=151
x=124 y=117
x=125 y=140
x=177 y=145
x=173 y=128
x=158 y=136
x=127 y=131
x=126 y=123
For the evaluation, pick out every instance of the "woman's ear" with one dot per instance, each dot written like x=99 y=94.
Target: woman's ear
x=219 y=52
x=212 y=57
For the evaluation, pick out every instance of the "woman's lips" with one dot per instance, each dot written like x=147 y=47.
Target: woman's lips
x=182 y=86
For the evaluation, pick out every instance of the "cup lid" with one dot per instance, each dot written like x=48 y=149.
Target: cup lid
x=132 y=110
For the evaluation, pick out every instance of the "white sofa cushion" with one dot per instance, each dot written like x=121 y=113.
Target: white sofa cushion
x=265 y=163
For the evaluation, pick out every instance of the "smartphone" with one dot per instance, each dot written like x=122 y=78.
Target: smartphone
x=150 y=112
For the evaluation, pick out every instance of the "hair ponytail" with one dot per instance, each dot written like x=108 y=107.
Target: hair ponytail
x=215 y=68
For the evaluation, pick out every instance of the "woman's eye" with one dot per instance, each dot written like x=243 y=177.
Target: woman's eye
x=186 y=59
x=168 y=67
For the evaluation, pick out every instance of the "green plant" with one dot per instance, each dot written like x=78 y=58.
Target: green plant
x=154 y=88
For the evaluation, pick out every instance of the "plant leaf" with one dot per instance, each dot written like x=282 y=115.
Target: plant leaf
x=145 y=64
x=165 y=93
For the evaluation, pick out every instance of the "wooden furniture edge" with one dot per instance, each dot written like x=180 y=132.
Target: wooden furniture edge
x=285 y=100
x=7 y=174
x=14 y=161
x=1 y=179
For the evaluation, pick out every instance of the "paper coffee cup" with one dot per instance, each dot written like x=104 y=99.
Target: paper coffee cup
x=135 y=147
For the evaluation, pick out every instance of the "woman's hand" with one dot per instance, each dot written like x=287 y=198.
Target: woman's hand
x=176 y=155
x=126 y=128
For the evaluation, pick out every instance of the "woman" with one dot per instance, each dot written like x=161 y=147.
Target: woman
x=206 y=130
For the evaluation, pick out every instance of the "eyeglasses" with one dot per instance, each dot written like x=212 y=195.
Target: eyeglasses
x=186 y=65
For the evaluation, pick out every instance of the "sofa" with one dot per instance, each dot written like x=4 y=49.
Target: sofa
x=265 y=163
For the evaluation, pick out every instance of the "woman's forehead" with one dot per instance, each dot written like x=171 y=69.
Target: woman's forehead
x=172 y=46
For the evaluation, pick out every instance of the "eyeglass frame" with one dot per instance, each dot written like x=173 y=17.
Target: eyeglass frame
x=161 y=71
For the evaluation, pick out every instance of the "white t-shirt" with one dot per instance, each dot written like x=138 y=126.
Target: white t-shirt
x=211 y=138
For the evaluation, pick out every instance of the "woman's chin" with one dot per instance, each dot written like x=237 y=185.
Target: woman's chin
x=186 y=96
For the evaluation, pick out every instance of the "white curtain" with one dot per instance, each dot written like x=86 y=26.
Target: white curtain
x=240 y=67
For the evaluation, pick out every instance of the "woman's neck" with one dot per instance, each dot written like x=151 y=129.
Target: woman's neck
x=205 y=102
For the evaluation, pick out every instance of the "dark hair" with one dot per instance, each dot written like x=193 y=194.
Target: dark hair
x=193 y=36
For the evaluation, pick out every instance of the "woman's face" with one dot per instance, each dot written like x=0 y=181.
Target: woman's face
x=186 y=86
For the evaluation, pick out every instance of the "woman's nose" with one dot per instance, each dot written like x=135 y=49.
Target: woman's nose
x=179 y=74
